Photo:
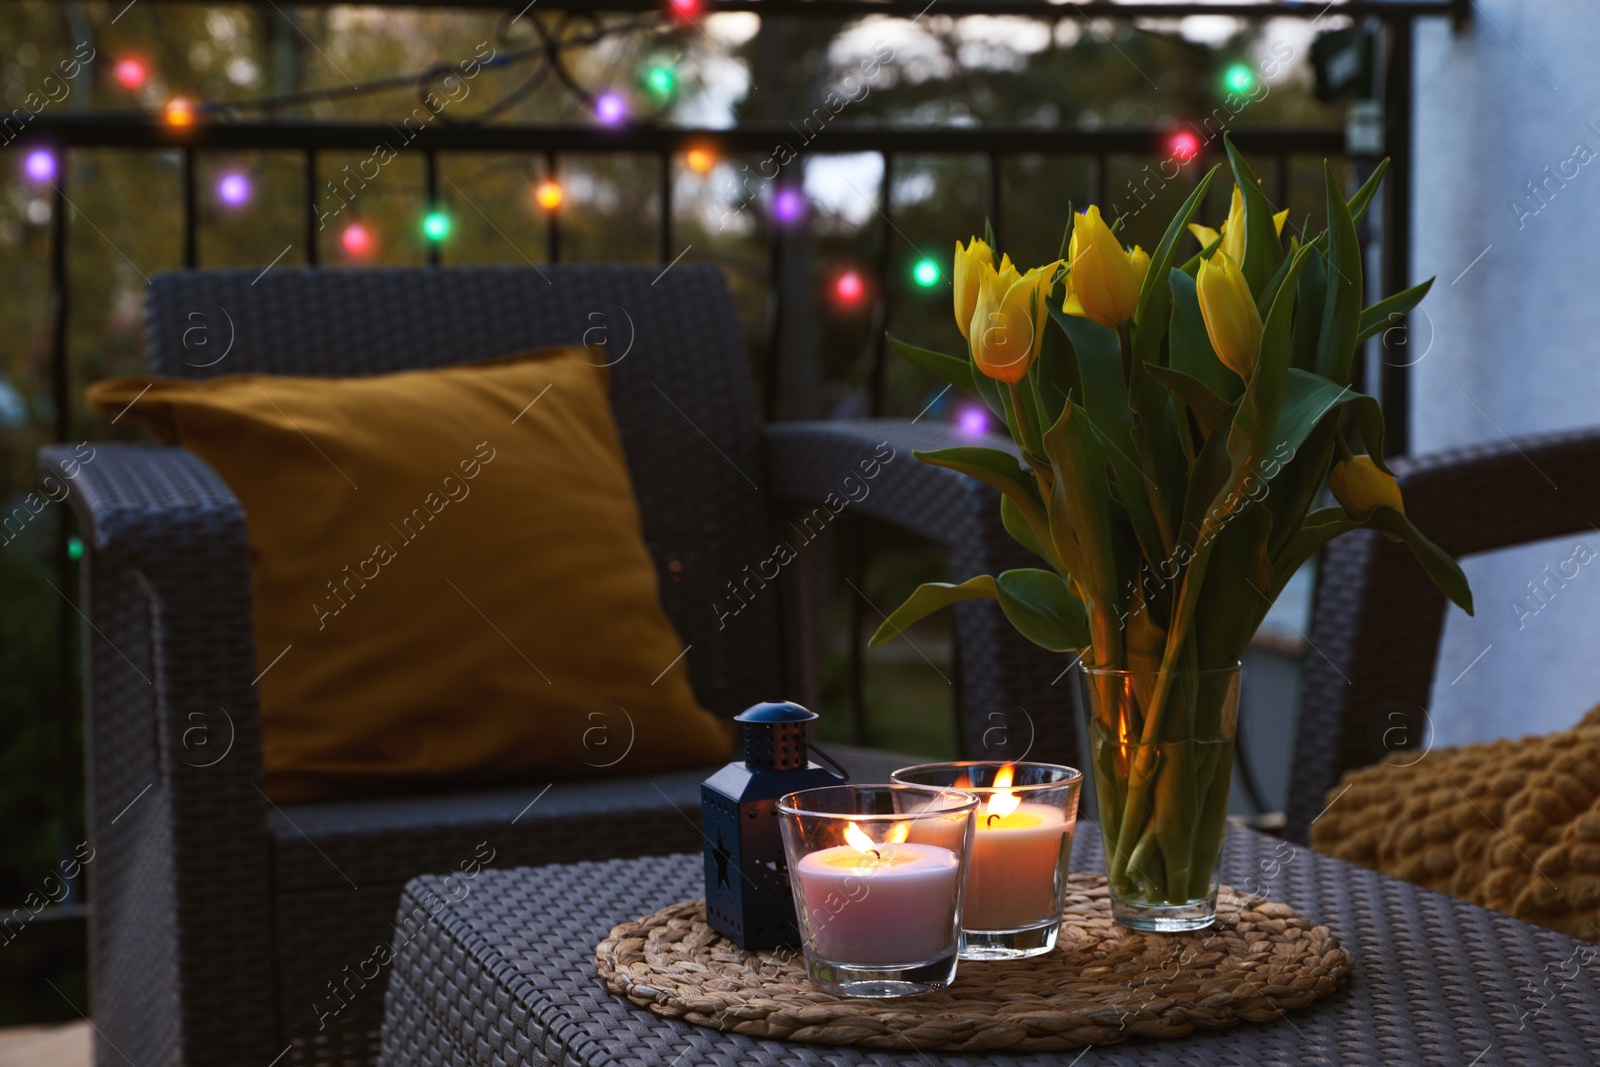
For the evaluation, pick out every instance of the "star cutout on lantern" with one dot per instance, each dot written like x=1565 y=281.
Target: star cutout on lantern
x=720 y=853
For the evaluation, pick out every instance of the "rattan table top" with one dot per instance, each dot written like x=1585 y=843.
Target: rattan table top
x=503 y=973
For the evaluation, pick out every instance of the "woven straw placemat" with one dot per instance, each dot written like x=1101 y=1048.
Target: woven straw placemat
x=1102 y=984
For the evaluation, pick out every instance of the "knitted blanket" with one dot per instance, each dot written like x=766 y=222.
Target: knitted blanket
x=1512 y=825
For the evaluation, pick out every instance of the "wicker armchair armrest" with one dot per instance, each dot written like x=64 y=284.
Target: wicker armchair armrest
x=867 y=466
x=179 y=948
x=1014 y=697
x=1377 y=620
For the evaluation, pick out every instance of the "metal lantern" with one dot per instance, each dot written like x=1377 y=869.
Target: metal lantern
x=748 y=899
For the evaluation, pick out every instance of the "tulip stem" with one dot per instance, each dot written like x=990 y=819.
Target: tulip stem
x=1338 y=439
x=1127 y=352
x=1029 y=433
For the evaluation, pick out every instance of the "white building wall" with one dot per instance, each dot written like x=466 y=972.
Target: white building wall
x=1514 y=319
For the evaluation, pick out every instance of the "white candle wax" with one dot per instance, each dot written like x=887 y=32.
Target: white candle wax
x=894 y=909
x=1016 y=859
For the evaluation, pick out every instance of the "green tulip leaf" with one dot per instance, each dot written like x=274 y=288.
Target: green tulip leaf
x=1255 y=420
x=1341 y=309
x=1209 y=409
x=1326 y=524
x=958 y=372
x=1445 y=572
x=1190 y=345
x=1307 y=399
x=1391 y=310
x=1359 y=203
x=1369 y=423
x=1319 y=528
x=928 y=598
x=1313 y=295
x=1105 y=401
x=1238 y=594
x=1055 y=372
x=1150 y=315
x=994 y=468
x=1263 y=249
x=1041 y=606
x=1080 y=524
x=1035 y=540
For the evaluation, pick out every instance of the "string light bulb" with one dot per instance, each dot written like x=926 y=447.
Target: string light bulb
x=849 y=287
x=548 y=194
x=356 y=239
x=234 y=189
x=130 y=73
x=40 y=165
x=436 y=225
x=686 y=8
x=788 y=205
x=660 y=80
x=925 y=273
x=1184 y=146
x=1239 y=78
x=610 y=109
x=700 y=159
x=972 y=420
x=179 y=112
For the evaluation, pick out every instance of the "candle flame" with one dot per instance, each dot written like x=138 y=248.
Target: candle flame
x=857 y=838
x=1002 y=801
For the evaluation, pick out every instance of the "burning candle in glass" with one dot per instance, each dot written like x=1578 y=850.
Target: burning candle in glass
x=878 y=872
x=1021 y=845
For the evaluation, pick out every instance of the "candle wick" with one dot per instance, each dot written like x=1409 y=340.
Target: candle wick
x=991 y=819
x=876 y=854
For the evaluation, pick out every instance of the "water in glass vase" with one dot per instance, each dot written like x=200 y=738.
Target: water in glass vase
x=1162 y=754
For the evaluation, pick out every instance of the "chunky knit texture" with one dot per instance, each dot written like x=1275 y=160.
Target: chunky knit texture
x=1510 y=825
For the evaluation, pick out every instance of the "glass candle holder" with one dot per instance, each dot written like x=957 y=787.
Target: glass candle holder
x=1022 y=842
x=878 y=872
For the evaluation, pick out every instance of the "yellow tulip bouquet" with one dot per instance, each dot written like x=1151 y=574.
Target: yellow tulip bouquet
x=1175 y=420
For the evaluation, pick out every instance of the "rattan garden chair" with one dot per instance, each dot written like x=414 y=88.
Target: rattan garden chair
x=227 y=931
x=1378 y=620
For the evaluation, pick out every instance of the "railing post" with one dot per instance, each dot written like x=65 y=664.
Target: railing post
x=66 y=616
x=664 y=234
x=994 y=195
x=1395 y=394
x=552 y=228
x=310 y=162
x=880 y=293
x=191 y=241
x=430 y=164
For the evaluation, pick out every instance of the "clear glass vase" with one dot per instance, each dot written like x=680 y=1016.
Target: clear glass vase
x=1161 y=747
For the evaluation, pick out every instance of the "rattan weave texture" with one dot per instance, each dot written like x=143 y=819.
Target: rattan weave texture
x=1103 y=984
x=504 y=976
x=1376 y=626
x=225 y=932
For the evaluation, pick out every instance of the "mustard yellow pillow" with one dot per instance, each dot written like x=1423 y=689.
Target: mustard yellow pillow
x=450 y=581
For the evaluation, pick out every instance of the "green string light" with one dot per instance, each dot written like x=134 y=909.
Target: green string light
x=660 y=80
x=74 y=548
x=925 y=273
x=1239 y=78
x=436 y=225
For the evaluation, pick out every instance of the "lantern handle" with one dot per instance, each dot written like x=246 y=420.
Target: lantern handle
x=838 y=767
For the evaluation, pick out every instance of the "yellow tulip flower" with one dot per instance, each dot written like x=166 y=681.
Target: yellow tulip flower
x=1007 y=327
x=1141 y=264
x=1232 y=231
x=1229 y=311
x=972 y=264
x=1359 y=486
x=1104 y=281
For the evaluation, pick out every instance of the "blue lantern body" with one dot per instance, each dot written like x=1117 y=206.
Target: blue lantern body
x=748 y=899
